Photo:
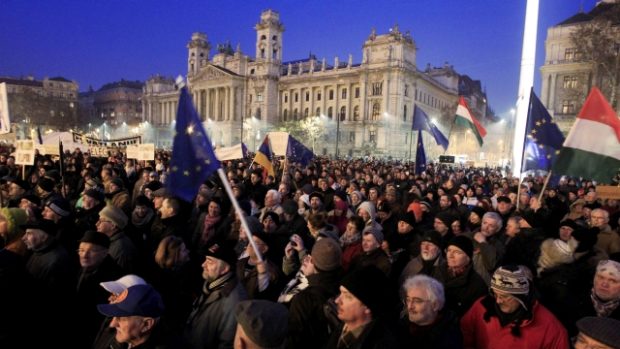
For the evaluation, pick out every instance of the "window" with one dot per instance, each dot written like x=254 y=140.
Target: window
x=296 y=97
x=318 y=96
x=285 y=117
x=306 y=111
x=274 y=38
x=568 y=107
x=406 y=92
x=356 y=113
x=263 y=37
x=307 y=96
x=376 y=110
x=372 y=136
x=357 y=92
x=252 y=71
x=570 y=82
x=258 y=113
x=318 y=111
x=259 y=97
x=405 y=113
x=572 y=54
x=377 y=89
x=352 y=136
x=330 y=112
x=285 y=98
x=331 y=95
x=295 y=114
x=343 y=113
x=274 y=54
x=262 y=53
x=250 y=98
x=344 y=93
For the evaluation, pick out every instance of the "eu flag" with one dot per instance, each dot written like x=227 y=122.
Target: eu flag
x=193 y=159
x=543 y=137
x=422 y=122
x=420 y=155
x=297 y=152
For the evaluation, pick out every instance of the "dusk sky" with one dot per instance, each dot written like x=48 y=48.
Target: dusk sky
x=95 y=42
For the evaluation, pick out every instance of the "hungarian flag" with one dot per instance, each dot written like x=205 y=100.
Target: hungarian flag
x=465 y=118
x=592 y=148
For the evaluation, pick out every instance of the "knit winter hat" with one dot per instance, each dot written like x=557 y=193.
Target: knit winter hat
x=463 y=243
x=326 y=254
x=367 y=284
x=374 y=232
x=446 y=217
x=602 y=329
x=510 y=281
x=609 y=268
x=114 y=214
x=14 y=218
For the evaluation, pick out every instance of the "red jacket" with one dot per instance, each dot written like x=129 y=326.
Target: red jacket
x=544 y=331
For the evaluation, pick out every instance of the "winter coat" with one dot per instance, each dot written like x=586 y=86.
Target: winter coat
x=444 y=333
x=374 y=336
x=463 y=290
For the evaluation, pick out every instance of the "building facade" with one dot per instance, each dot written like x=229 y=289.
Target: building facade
x=119 y=102
x=339 y=106
x=568 y=74
x=50 y=103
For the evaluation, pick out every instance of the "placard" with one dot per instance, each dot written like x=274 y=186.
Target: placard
x=608 y=192
x=24 y=152
x=141 y=151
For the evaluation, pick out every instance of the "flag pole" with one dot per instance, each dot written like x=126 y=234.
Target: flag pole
x=235 y=203
x=518 y=191
x=410 y=144
x=544 y=186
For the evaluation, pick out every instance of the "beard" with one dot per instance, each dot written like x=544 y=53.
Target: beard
x=429 y=255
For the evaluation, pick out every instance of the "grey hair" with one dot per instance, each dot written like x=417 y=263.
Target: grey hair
x=276 y=195
x=434 y=289
x=496 y=217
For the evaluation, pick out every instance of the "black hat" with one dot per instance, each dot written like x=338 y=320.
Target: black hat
x=32 y=198
x=42 y=224
x=408 y=217
x=602 y=329
x=367 y=284
x=569 y=223
x=274 y=217
x=223 y=250
x=118 y=182
x=504 y=199
x=464 y=244
x=433 y=237
x=60 y=206
x=264 y=322
x=47 y=184
x=587 y=238
x=142 y=200
x=446 y=217
x=307 y=188
x=317 y=195
x=153 y=185
x=96 y=238
x=385 y=206
x=95 y=194
x=20 y=183
x=479 y=211
x=341 y=194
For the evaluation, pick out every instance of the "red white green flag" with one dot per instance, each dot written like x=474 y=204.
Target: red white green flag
x=464 y=117
x=592 y=148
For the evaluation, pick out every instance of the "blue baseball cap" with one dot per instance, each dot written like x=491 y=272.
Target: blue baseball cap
x=138 y=300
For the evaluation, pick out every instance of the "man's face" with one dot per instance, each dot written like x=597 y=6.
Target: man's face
x=599 y=218
x=444 y=201
x=87 y=202
x=404 y=227
x=105 y=226
x=420 y=309
x=606 y=286
x=213 y=268
x=583 y=341
x=34 y=238
x=503 y=207
x=315 y=203
x=140 y=211
x=456 y=257
x=428 y=251
x=440 y=226
x=157 y=202
x=323 y=185
x=91 y=255
x=49 y=214
x=255 y=178
x=369 y=243
x=166 y=211
x=365 y=215
x=350 y=309
x=506 y=302
x=270 y=200
x=373 y=195
x=15 y=191
x=489 y=227
x=269 y=225
x=128 y=328
x=565 y=233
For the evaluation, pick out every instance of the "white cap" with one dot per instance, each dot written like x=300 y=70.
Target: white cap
x=122 y=284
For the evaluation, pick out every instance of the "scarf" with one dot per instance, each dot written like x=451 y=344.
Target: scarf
x=347 y=240
x=138 y=222
x=602 y=308
x=208 y=229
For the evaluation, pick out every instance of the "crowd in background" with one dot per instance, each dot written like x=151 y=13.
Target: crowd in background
x=359 y=253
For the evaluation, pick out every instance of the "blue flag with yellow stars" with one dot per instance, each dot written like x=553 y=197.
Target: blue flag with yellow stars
x=297 y=152
x=421 y=121
x=420 y=155
x=193 y=159
x=543 y=138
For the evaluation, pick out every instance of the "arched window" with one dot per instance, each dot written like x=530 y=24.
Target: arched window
x=258 y=113
x=376 y=110
x=318 y=111
x=306 y=111
x=356 y=113
x=295 y=113
x=343 y=113
x=330 y=112
x=285 y=115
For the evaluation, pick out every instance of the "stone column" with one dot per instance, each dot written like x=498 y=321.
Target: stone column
x=551 y=104
x=217 y=114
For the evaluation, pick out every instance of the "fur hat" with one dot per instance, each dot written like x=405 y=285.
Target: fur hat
x=326 y=254
x=463 y=243
x=264 y=322
x=114 y=214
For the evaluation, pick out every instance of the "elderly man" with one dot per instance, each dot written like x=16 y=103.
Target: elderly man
x=510 y=317
x=273 y=198
x=136 y=316
x=608 y=240
x=429 y=259
x=260 y=324
x=604 y=300
x=426 y=323
x=212 y=324
x=359 y=307
x=489 y=243
x=112 y=221
x=597 y=332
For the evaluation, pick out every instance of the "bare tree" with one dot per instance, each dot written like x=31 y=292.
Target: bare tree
x=598 y=42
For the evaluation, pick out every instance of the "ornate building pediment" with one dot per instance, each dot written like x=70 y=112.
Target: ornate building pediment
x=210 y=73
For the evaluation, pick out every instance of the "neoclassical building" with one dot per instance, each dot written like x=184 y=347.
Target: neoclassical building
x=567 y=76
x=360 y=108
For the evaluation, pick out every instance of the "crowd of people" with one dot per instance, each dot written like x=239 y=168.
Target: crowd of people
x=359 y=253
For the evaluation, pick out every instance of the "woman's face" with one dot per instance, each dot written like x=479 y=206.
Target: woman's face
x=214 y=209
